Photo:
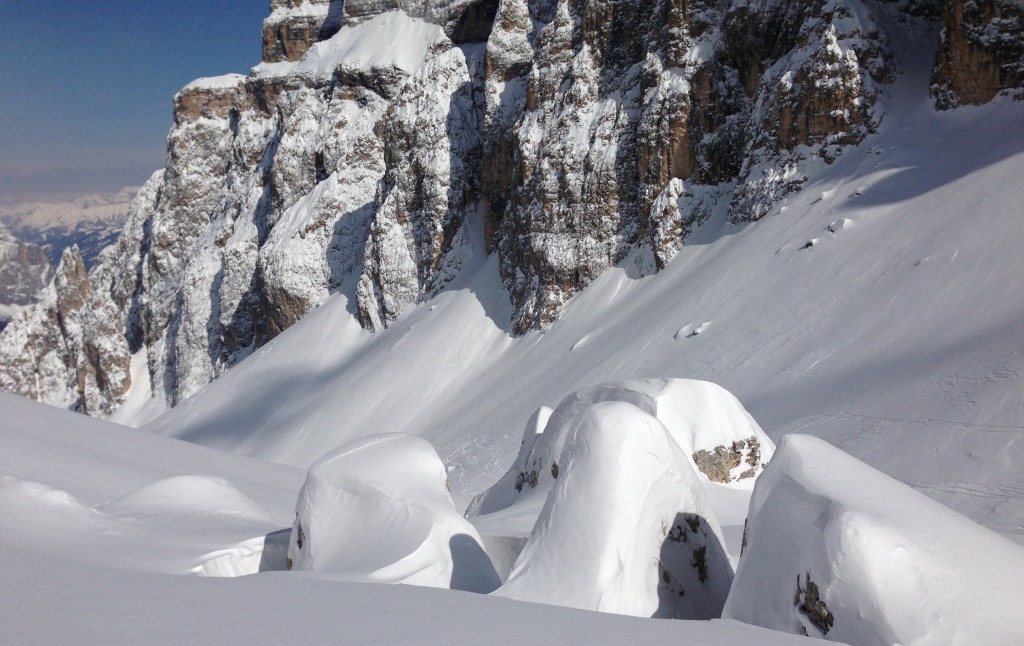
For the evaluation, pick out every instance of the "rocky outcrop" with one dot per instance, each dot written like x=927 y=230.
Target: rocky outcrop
x=295 y=25
x=566 y=137
x=981 y=52
x=24 y=273
x=69 y=350
x=605 y=119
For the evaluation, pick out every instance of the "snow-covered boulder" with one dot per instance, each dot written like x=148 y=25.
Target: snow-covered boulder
x=838 y=549
x=706 y=421
x=378 y=509
x=627 y=527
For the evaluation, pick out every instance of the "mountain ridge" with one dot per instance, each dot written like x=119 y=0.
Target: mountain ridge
x=335 y=166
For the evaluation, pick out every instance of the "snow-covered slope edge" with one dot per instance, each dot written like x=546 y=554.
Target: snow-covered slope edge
x=874 y=562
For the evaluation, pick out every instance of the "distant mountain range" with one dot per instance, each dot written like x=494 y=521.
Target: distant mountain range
x=33 y=235
x=90 y=221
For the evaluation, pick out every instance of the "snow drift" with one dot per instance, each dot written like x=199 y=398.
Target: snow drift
x=837 y=548
x=626 y=528
x=378 y=510
x=707 y=423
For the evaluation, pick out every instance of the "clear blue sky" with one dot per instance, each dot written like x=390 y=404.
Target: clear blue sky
x=86 y=87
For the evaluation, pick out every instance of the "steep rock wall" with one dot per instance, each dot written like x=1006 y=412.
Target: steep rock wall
x=583 y=135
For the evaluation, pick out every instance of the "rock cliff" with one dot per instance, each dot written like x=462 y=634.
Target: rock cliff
x=24 y=273
x=377 y=136
x=981 y=51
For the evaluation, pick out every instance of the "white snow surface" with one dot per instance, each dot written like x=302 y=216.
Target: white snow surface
x=378 y=510
x=222 y=82
x=624 y=525
x=99 y=522
x=696 y=415
x=388 y=40
x=891 y=565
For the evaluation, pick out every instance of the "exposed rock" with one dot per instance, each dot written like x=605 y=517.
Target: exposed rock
x=981 y=51
x=594 y=109
x=808 y=601
x=294 y=25
x=69 y=350
x=24 y=273
x=627 y=496
x=720 y=463
x=585 y=134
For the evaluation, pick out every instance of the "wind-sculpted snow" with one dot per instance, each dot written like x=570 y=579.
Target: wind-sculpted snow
x=378 y=509
x=837 y=549
x=613 y=475
x=597 y=112
x=626 y=527
x=701 y=418
x=102 y=529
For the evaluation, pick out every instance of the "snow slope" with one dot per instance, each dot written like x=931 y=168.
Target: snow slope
x=99 y=522
x=895 y=334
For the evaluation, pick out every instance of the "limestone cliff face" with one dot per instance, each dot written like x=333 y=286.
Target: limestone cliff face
x=71 y=350
x=981 y=51
x=24 y=272
x=613 y=127
x=378 y=137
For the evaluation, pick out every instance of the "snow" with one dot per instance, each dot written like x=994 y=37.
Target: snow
x=891 y=565
x=359 y=47
x=896 y=336
x=696 y=415
x=222 y=82
x=625 y=526
x=378 y=509
x=139 y=404
x=102 y=529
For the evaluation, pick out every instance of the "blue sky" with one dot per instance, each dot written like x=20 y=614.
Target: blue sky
x=86 y=88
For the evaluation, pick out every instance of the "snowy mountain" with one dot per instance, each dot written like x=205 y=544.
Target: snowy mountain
x=92 y=222
x=522 y=232
x=576 y=138
x=24 y=273
x=34 y=235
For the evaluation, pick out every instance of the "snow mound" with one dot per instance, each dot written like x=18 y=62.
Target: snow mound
x=707 y=422
x=837 y=547
x=186 y=495
x=378 y=509
x=627 y=527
